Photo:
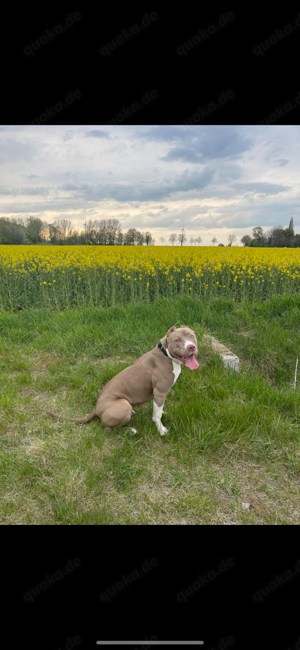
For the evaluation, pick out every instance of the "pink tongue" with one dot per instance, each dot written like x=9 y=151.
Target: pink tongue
x=191 y=362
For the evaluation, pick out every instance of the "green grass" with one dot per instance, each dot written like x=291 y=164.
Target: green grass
x=233 y=438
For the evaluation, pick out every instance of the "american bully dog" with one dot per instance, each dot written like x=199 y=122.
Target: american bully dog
x=148 y=378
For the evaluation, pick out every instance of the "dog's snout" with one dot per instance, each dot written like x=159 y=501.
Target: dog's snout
x=191 y=348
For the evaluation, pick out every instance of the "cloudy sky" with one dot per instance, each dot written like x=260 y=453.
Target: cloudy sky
x=211 y=180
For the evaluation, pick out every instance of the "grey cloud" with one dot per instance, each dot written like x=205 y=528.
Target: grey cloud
x=174 y=218
x=5 y=191
x=183 y=153
x=142 y=190
x=83 y=187
x=97 y=133
x=261 y=188
x=12 y=151
x=199 y=184
x=33 y=191
x=225 y=147
x=17 y=208
x=267 y=215
x=282 y=161
x=68 y=136
x=198 y=144
x=163 y=133
x=230 y=215
x=216 y=142
x=25 y=191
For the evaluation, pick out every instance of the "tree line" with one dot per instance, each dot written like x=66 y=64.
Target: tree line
x=277 y=237
x=104 y=232
x=108 y=232
x=33 y=230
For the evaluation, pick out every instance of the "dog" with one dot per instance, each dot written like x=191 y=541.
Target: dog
x=148 y=378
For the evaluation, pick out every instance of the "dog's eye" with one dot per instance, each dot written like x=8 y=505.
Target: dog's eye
x=177 y=340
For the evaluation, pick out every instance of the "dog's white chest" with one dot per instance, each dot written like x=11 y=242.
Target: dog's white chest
x=176 y=370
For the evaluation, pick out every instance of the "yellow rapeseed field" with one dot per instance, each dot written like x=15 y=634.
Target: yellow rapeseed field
x=63 y=276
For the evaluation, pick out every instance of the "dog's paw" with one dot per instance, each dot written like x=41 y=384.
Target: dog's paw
x=163 y=430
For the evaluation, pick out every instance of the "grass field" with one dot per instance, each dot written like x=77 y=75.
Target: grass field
x=233 y=438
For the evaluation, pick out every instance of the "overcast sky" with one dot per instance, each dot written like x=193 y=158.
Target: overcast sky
x=211 y=180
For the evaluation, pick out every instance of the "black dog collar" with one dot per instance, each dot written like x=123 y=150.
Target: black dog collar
x=159 y=345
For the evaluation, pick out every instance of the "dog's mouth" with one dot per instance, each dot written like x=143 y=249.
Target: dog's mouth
x=191 y=361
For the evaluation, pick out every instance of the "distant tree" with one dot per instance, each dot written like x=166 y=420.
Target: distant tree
x=134 y=237
x=214 y=241
x=173 y=238
x=34 y=229
x=75 y=238
x=192 y=241
x=277 y=237
x=147 y=237
x=162 y=239
x=91 y=231
x=103 y=232
x=289 y=234
x=65 y=228
x=220 y=244
x=258 y=233
x=198 y=240
x=19 y=221
x=297 y=241
x=131 y=237
x=112 y=228
x=54 y=234
x=274 y=237
x=291 y=226
x=12 y=233
x=231 y=239
x=119 y=239
x=246 y=240
x=45 y=233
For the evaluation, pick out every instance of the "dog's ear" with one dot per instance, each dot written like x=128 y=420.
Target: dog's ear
x=184 y=326
x=172 y=329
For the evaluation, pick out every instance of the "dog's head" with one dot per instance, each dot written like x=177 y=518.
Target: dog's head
x=181 y=343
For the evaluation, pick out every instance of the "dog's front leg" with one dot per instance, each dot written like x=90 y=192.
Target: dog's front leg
x=158 y=404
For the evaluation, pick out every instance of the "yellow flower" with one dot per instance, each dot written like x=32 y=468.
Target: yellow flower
x=204 y=267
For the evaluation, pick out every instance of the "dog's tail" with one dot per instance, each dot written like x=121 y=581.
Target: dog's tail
x=86 y=418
